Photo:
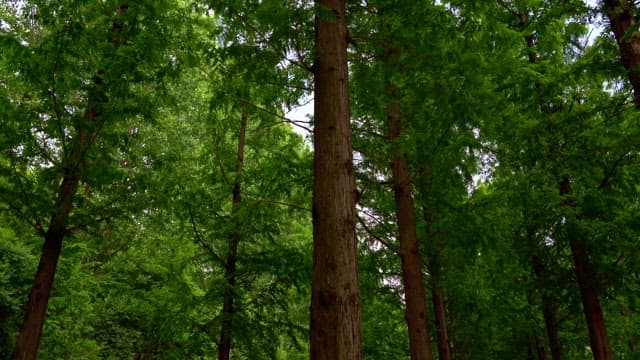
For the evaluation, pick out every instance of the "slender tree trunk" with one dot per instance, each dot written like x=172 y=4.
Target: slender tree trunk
x=335 y=295
x=224 y=347
x=444 y=351
x=414 y=294
x=590 y=302
x=437 y=295
x=622 y=17
x=29 y=338
x=548 y=310
x=587 y=283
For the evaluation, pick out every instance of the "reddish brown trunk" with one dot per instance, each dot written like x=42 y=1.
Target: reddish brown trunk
x=29 y=338
x=587 y=282
x=335 y=294
x=226 y=328
x=590 y=302
x=414 y=294
x=622 y=17
x=437 y=294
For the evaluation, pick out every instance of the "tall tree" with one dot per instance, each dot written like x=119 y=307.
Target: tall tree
x=86 y=131
x=335 y=297
x=79 y=113
x=416 y=313
x=234 y=239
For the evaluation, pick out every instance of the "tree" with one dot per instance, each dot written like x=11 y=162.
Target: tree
x=335 y=296
x=54 y=154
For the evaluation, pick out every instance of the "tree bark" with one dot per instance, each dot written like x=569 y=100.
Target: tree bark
x=548 y=309
x=226 y=330
x=335 y=295
x=414 y=294
x=587 y=283
x=622 y=17
x=439 y=308
x=29 y=338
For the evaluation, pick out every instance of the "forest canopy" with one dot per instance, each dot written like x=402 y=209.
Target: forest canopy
x=329 y=179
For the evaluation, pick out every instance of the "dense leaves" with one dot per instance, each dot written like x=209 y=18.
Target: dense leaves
x=519 y=129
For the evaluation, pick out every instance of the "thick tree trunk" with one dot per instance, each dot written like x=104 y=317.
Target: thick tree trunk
x=224 y=347
x=414 y=294
x=335 y=296
x=587 y=283
x=622 y=17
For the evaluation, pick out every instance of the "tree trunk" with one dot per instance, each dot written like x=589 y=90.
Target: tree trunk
x=444 y=351
x=224 y=348
x=622 y=17
x=590 y=302
x=29 y=338
x=437 y=293
x=335 y=295
x=548 y=312
x=414 y=294
x=587 y=283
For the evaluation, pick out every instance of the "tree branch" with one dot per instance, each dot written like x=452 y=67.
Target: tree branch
x=200 y=239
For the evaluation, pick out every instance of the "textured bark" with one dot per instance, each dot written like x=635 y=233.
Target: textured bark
x=587 y=282
x=622 y=17
x=335 y=295
x=226 y=330
x=414 y=294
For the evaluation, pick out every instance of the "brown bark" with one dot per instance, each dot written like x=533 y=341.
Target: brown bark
x=414 y=294
x=29 y=338
x=226 y=330
x=622 y=17
x=437 y=293
x=335 y=295
x=439 y=308
x=548 y=313
x=587 y=282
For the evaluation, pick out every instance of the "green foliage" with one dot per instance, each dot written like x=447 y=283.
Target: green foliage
x=501 y=101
